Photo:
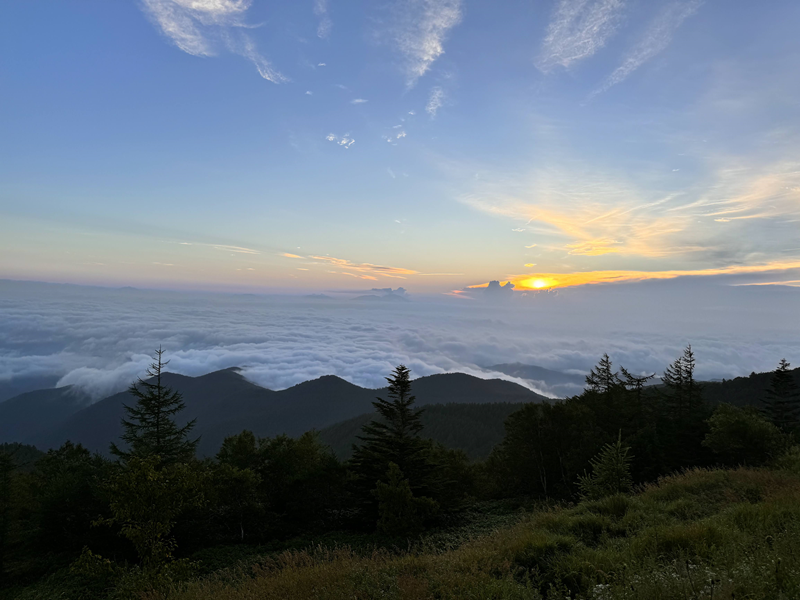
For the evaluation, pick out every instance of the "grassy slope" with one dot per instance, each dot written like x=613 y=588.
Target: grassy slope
x=702 y=534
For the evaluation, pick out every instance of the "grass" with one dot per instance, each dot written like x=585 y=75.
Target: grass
x=703 y=534
x=700 y=535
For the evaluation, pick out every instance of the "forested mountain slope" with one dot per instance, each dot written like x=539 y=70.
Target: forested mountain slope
x=225 y=403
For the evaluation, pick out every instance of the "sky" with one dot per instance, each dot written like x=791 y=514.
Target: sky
x=437 y=145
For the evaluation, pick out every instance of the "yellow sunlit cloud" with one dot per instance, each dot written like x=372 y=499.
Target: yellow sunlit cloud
x=543 y=281
x=588 y=212
x=287 y=255
x=791 y=283
x=342 y=263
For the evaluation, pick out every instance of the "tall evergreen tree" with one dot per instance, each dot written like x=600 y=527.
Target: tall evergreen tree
x=633 y=383
x=694 y=391
x=684 y=395
x=602 y=378
x=393 y=438
x=782 y=402
x=685 y=413
x=150 y=428
x=675 y=393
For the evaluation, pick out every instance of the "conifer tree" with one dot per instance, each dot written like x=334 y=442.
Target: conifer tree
x=393 y=438
x=673 y=382
x=694 y=391
x=601 y=378
x=782 y=402
x=633 y=383
x=684 y=394
x=611 y=472
x=685 y=414
x=150 y=428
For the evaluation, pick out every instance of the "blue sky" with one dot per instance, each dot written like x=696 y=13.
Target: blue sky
x=433 y=144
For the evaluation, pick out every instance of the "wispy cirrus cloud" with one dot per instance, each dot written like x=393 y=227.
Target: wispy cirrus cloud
x=736 y=213
x=577 y=30
x=325 y=24
x=655 y=39
x=396 y=272
x=419 y=31
x=223 y=247
x=202 y=27
x=435 y=101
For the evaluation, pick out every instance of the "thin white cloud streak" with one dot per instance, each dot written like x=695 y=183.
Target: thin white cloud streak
x=655 y=39
x=325 y=24
x=201 y=27
x=577 y=30
x=435 y=101
x=419 y=32
x=358 y=101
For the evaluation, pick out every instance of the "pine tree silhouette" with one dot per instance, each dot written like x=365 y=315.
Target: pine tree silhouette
x=150 y=429
x=393 y=438
x=782 y=402
x=601 y=378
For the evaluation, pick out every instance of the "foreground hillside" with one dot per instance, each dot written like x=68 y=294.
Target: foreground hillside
x=703 y=534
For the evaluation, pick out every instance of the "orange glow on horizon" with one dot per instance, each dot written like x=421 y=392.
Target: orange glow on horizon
x=549 y=281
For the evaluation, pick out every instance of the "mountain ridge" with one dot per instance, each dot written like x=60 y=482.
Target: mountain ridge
x=225 y=402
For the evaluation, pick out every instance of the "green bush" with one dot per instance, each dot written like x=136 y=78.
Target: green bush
x=741 y=436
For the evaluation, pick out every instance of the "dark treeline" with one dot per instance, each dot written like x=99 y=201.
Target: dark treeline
x=74 y=512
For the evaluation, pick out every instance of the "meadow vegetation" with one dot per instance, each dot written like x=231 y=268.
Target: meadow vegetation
x=624 y=491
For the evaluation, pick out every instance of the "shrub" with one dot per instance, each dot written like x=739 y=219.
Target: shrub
x=741 y=436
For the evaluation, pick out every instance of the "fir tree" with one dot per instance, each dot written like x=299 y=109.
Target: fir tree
x=782 y=402
x=673 y=382
x=601 y=378
x=611 y=472
x=683 y=393
x=694 y=391
x=393 y=438
x=150 y=429
x=633 y=383
x=685 y=413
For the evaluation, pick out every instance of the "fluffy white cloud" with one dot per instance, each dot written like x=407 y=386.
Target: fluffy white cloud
x=100 y=339
x=345 y=141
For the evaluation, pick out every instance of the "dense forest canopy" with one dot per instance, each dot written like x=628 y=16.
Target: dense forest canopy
x=140 y=517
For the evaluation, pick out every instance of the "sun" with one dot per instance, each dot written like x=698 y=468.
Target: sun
x=539 y=284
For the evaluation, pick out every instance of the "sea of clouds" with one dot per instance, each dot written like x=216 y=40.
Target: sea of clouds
x=100 y=339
